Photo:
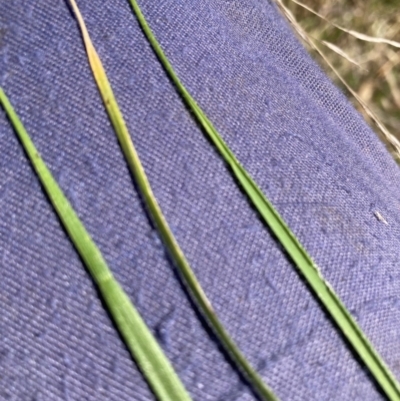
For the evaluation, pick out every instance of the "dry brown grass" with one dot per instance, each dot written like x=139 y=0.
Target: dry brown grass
x=372 y=70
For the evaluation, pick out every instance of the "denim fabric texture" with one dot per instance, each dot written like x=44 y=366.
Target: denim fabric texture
x=300 y=139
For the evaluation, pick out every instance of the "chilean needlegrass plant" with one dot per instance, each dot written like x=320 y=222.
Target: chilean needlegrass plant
x=141 y=343
x=321 y=288
x=160 y=222
x=144 y=348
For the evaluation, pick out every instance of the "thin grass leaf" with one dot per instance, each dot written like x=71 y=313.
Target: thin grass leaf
x=341 y=53
x=143 y=346
x=157 y=216
x=330 y=300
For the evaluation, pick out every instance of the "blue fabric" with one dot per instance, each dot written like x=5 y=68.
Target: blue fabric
x=297 y=135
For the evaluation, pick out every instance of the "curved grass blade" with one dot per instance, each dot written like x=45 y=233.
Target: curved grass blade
x=143 y=346
x=157 y=216
x=330 y=300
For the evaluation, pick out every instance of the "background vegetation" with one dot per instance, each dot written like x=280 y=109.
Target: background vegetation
x=375 y=71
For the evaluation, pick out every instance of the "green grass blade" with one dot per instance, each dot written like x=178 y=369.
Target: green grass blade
x=157 y=216
x=143 y=346
x=345 y=322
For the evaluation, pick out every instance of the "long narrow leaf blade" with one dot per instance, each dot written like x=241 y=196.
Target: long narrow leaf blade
x=345 y=322
x=143 y=346
x=156 y=214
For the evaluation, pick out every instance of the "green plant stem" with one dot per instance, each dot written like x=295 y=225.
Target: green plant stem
x=143 y=346
x=157 y=216
x=321 y=288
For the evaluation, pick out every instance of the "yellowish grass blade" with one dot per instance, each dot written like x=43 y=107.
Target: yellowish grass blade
x=157 y=216
x=341 y=53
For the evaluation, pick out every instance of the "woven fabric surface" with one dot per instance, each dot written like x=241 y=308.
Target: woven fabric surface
x=297 y=135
